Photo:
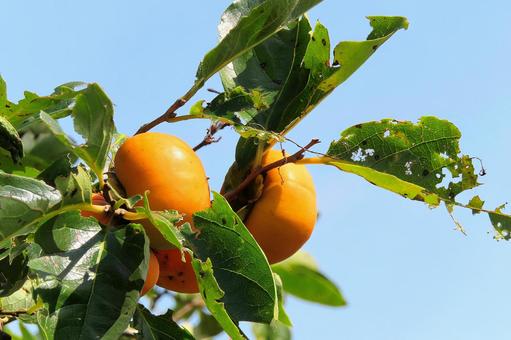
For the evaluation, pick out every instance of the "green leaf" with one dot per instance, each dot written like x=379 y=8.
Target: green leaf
x=93 y=119
x=89 y=278
x=350 y=55
x=23 y=201
x=276 y=331
x=75 y=188
x=410 y=159
x=164 y=221
x=501 y=222
x=237 y=261
x=477 y=203
x=26 y=112
x=282 y=314
x=10 y=140
x=158 y=327
x=301 y=278
x=237 y=108
x=3 y=92
x=310 y=78
x=42 y=148
x=246 y=24
x=213 y=295
x=21 y=301
x=13 y=274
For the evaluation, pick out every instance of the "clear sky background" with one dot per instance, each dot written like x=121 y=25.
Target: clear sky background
x=405 y=271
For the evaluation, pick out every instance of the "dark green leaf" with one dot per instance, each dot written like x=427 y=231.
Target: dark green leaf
x=301 y=278
x=22 y=202
x=309 y=79
x=246 y=24
x=10 y=140
x=213 y=295
x=89 y=278
x=158 y=327
x=275 y=331
x=237 y=261
x=12 y=274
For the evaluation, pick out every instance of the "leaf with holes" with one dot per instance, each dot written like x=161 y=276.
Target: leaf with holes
x=421 y=161
x=213 y=295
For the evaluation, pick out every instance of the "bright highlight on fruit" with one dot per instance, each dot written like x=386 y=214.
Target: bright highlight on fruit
x=283 y=218
x=167 y=167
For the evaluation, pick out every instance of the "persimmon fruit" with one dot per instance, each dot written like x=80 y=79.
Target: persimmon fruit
x=153 y=272
x=283 y=218
x=172 y=172
x=175 y=274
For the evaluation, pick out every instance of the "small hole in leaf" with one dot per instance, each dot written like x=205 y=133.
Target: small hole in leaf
x=323 y=41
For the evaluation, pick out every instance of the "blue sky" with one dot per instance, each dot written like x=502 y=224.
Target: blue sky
x=405 y=271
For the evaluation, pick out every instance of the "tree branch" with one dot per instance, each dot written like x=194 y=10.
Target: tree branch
x=181 y=312
x=209 y=139
x=170 y=113
x=233 y=194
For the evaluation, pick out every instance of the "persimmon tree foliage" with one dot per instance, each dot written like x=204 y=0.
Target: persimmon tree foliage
x=84 y=228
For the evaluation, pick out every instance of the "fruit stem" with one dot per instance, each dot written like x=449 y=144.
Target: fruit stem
x=294 y=158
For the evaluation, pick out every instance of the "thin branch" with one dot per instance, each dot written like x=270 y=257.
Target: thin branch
x=170 y=113
x=181 y=312
x=233 y=194
x=209 y=139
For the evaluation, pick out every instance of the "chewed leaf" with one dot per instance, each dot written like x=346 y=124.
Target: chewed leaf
x=425 y=154
x=501 y=222
x=421 y=161
x=212 y=295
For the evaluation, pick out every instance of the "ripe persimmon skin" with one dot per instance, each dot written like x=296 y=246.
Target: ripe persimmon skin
x=167 y=167
x=153 y=272
x=97 y=199
x=175 y=274
x=283 y=218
